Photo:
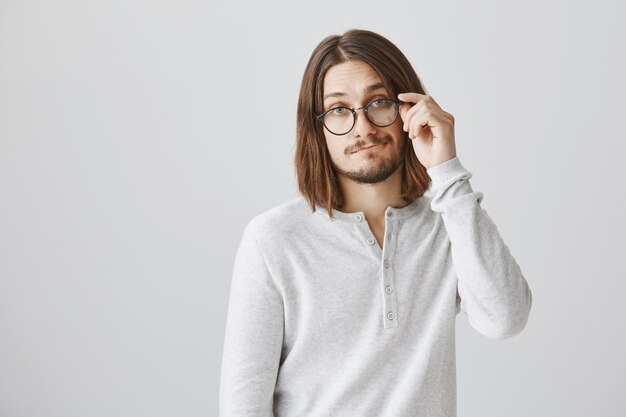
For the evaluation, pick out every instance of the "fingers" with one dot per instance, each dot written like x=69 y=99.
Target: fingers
x=421 y=115
x=417 y=118
x=416 y=97
x=419 y=125
x=411 y=97
x=408 y=115
x=407 y=109
x=424 y=122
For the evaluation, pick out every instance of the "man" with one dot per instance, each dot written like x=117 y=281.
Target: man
x=343 y=300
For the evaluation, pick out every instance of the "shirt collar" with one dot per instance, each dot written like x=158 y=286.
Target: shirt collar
x=407 y=211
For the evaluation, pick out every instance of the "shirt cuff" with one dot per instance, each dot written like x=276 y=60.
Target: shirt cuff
x=449 y=183
x=445 y=171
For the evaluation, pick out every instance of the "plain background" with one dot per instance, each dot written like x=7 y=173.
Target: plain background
x=137 y=139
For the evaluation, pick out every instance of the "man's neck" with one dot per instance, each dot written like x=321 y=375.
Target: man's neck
x=371 y=199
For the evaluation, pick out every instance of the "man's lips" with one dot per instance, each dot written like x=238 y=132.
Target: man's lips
x=369 y=147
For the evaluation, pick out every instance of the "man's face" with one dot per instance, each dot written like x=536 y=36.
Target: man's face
x=347 y=154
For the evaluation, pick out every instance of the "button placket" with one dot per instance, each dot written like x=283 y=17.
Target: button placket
x=365 y=234
x=390 y=300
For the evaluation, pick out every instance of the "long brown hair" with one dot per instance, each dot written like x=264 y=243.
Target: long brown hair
x=316 y=178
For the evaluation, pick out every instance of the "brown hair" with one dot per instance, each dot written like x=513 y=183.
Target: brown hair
x=316 y=178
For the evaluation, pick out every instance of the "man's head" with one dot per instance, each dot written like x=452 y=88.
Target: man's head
x=347 y=65
x=355 y=84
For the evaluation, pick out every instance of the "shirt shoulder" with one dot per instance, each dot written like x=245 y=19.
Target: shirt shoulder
x=281 y=221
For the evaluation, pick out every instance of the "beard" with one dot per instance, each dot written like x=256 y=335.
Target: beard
x=379 y=170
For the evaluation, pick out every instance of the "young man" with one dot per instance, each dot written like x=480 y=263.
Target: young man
x=343 y=300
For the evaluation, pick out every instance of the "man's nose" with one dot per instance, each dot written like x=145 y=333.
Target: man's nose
x=362 y=126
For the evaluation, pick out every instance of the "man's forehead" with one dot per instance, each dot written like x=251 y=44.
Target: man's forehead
x=343 y=90
x=351 y=76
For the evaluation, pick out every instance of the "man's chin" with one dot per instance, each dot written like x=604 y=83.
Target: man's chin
x=370 y=176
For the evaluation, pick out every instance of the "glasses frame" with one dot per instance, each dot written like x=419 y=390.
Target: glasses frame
x=396 y=103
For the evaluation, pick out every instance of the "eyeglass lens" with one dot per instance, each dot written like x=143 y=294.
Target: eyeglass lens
x=381 y=113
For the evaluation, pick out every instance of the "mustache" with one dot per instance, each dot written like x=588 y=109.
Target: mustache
x=362 y=144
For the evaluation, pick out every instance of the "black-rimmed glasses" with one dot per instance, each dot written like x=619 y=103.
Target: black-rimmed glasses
x=340 y=120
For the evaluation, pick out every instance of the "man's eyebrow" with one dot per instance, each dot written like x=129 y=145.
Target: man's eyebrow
x=365 y=90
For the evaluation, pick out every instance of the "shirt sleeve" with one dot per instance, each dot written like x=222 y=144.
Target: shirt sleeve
x=253 y=336
x=491 y=288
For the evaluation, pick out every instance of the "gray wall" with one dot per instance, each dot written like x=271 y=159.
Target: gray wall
x=137 y=138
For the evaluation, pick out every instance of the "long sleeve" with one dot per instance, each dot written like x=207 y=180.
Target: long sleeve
x=493 y=292
x=253 y=336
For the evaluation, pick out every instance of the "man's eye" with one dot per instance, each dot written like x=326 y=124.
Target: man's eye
x=379 y=102
x=338 y=110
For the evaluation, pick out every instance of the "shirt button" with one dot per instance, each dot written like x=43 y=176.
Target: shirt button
x=389 y=236
x=370 y=240
x=386 y=263
x=358 y=217
x=388 y=289
x=390 y=315
x=389 y=213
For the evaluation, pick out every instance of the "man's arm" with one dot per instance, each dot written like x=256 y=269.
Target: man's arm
x=253 y=336
x=493 y=292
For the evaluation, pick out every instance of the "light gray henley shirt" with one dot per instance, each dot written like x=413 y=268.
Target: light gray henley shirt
x=322 y=321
